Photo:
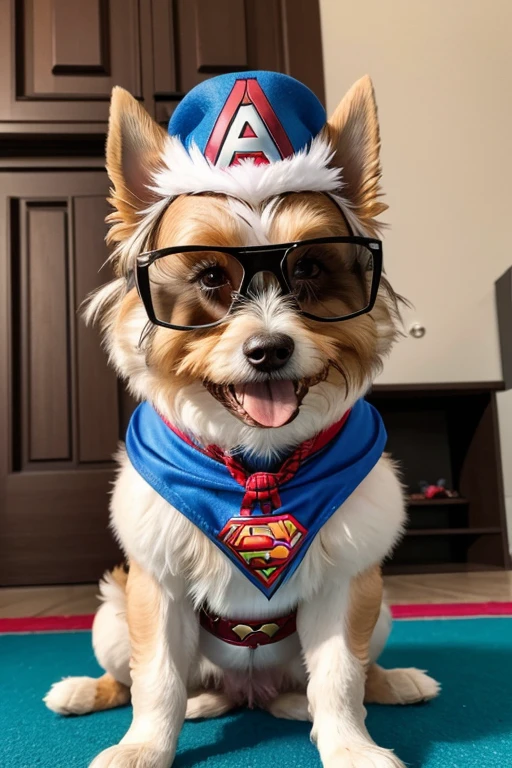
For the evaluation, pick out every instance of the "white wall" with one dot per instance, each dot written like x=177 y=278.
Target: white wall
x=442 y=71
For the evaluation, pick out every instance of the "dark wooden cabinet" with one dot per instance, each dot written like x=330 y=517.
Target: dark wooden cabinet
x=62 y=411
x=59 y=59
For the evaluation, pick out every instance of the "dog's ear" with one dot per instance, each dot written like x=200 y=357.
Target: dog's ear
x=353 y=132
x=134 y=148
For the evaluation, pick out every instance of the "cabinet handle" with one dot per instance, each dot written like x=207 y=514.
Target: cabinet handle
x=417 y=331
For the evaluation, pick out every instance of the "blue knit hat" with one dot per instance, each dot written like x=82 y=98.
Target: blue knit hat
x=265 y=116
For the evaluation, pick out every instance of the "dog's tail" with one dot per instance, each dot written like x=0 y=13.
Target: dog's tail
x=81 y=695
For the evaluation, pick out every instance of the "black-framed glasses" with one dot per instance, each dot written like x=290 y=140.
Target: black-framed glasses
x=329 y=278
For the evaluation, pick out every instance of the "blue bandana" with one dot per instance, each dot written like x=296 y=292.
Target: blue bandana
x=266 y=527
x=265 y=116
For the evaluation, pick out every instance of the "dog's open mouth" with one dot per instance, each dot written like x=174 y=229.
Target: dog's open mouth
x=268 y=404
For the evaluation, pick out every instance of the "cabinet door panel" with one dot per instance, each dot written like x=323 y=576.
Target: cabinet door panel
x=46 y=332
x=65 y=57
x=223 y=47
x=195 y=39
x=62 y=410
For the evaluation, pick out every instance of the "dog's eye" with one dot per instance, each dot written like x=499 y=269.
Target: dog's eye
x=307 y=268
x=213 y=277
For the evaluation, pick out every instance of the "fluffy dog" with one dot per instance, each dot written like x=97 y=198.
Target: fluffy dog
x=249 y=314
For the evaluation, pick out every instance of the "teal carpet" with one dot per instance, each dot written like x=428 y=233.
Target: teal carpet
x=469 y=726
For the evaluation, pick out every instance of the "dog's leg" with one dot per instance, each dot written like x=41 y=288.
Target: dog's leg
x=335 y=630
x=163 y=636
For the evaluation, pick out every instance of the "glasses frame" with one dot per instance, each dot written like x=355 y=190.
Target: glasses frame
x=253 y=260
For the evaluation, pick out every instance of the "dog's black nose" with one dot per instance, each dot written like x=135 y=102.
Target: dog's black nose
x=268 y=351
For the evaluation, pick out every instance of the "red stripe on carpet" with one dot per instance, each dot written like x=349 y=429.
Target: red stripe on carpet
x=412 y=611
x=450 y=610
x=46 y=623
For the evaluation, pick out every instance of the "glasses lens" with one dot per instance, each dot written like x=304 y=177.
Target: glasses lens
x=195 y=288
x=331 y=279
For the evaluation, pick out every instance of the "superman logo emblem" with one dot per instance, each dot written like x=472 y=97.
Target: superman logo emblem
x=264 y=545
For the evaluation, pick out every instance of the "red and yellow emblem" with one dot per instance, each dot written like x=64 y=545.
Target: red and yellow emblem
x=265 y=545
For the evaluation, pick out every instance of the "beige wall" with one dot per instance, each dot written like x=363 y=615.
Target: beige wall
x=442 y=71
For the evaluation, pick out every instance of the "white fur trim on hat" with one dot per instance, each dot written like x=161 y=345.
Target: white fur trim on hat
x=189 y=172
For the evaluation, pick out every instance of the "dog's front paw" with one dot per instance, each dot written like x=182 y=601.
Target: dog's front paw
x=363 y=756
x=132 y=756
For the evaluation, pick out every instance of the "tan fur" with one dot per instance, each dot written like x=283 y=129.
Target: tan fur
x=129 y=303
x=110 y=693
x=134 y=146
x=353 y=131
x=365 y=602
x=304 y=215
x=120 y=575
x=198 y=220
x=143 y=607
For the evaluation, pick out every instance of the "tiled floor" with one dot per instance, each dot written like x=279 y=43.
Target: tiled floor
x=431 y=588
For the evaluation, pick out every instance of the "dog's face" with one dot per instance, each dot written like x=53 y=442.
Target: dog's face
x=267 y=377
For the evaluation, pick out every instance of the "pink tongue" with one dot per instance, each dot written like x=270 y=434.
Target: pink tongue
x=270 y=403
